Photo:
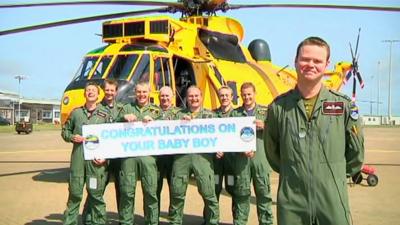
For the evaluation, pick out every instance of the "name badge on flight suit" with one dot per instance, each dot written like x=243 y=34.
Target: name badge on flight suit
x=333 y=108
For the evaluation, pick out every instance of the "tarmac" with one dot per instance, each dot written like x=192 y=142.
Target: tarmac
x=34 y=189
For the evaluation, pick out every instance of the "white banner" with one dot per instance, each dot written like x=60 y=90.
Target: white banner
x=161 y=137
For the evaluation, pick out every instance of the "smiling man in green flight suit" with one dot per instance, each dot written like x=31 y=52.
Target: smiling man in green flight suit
x=259 y=169
x=91 y=172
x=201 y=165
x=234 y=166
x=164 y=162
x=141 y=110
x=313 y=140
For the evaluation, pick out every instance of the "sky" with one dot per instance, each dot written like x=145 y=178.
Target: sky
x=49 y=58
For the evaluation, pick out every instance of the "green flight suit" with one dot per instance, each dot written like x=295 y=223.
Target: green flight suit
x=164 y=162
x=234 y=167
x=259 y=170
x=313 y=156
x=220 y=165
x=148 y=172
x=113 y=164
x=201 y=165
x=85 y=171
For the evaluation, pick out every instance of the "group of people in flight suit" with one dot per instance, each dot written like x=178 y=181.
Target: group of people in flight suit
x=305 y=189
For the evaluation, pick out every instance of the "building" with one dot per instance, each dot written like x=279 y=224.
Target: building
x=380 y=120
x=33 y=110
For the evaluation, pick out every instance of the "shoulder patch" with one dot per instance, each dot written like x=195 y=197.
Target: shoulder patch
x=354 y=112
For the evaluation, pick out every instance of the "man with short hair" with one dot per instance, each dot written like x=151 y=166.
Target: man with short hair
x=259 y=169
x=164 y=162
x=313 y=138
x=141 y=110
x=91 y=172
x=200 y=164
x=110 y=88
x=234 y=166
x=225 y=96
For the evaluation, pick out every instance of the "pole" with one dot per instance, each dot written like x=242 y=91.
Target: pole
x=19 y=78
x=378 y=78
x=390 y=78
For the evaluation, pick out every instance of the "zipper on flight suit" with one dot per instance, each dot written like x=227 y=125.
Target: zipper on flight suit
x=311 y=174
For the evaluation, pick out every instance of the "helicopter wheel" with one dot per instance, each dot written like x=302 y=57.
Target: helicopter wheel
x=357 y=178
x=372 y=180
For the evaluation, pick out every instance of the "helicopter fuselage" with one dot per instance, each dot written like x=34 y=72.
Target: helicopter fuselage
x=198 y=50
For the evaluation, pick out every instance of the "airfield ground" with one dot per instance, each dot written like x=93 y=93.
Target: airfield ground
x=34 y=171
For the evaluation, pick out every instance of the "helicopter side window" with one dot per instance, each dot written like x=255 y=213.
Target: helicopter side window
x=122 y=66
x=142 y=71
x=167 y=72
x=101 y=67
x=158 y=74
x=86 y=66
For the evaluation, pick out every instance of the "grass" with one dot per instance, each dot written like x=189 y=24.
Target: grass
x=36 y=128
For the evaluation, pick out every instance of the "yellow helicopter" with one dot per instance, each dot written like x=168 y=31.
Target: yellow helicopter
x=200 y=48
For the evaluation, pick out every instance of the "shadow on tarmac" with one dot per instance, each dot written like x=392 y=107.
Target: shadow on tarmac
x=112 y=219
x=59 y=175
x=49 y=175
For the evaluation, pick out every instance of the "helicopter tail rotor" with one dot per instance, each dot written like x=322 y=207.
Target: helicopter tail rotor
x=354 y=72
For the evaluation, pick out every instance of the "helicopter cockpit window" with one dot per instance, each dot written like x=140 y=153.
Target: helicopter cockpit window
x=85 y=68
x=142 y=71
x=122 y=66
x=222 y=46
x=101 y=67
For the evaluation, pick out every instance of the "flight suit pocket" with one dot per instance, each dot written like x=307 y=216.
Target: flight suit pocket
x=294 y=139
x=150 y=183
x=76 y=186
x=262 y=183
x=179 y=184
x=206 y=186
x=127 y=181
x=242 y=186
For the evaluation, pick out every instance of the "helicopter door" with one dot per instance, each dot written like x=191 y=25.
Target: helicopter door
x=184 y=78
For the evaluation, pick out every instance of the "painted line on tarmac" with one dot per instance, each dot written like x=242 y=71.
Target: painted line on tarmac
x=65 y=150
x=383 y=151
x=34 y=151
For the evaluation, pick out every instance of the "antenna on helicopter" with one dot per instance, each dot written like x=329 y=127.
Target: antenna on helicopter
x=354 y=69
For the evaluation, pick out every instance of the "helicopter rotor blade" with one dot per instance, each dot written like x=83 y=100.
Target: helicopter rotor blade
x=360 y=80
x=320 y=6
x=347 y=76
x=82 y=20
x=353 y=96
x=358 y=40
x=94 y=2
